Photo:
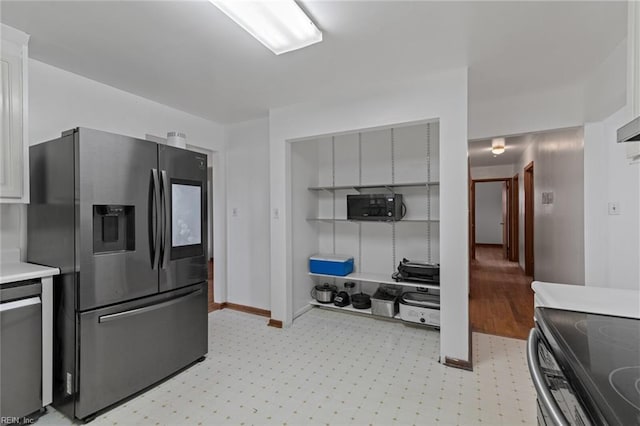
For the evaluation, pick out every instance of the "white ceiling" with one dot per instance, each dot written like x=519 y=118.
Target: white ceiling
x=480 y=151
x=190 y=56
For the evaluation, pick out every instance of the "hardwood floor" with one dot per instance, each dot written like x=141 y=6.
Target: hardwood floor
x=501 y=299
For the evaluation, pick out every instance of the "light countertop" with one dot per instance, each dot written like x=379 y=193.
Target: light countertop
x=12 y=269
x=20 y=271
x=597 y=300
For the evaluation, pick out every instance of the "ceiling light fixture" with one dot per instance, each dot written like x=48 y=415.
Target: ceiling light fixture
x=278 y=24
x=497 y=146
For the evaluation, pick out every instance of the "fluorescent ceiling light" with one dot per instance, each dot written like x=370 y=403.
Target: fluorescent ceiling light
x=278 y=24
x=497 y=146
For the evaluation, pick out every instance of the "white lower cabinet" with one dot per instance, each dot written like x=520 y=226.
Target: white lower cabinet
x=14 y=158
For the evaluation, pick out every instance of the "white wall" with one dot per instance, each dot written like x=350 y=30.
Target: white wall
x=248 y=214
x=600 y=94
x=493 y=172
x=489 y=212
x=304 y=172
x=13 y=225
x=558 y=227
x=527 y=157
x=612 y=242
x=531 y=112
x=60 y=100
x=442 y=96
x=605 y=88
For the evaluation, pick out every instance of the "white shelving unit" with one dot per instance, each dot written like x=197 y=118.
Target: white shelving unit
x=376 y=278
x=348 y=308
x=381 y=185
x=401 y=159
x=388 y=222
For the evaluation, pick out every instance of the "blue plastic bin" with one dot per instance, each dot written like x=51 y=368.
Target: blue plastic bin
x=331 y=264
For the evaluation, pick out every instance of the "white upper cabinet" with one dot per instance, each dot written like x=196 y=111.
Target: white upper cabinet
x=14 y=155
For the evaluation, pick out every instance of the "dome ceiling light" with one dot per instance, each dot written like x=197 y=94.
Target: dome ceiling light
x=497 y=146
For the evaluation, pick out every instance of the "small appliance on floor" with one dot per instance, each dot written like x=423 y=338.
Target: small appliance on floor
x=420 y=308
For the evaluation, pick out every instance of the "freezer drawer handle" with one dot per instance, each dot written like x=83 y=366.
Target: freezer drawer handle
x=544 y=393
x=138 y=311
x=16 y=304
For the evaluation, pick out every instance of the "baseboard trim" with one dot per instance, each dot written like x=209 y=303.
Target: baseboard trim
x=248 y=309
x=274 y=323
x=305 y=309
x=488 y=245
x=458 y=363
x=217 y=306
x=241 y=308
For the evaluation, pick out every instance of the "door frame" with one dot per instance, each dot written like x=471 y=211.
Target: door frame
x=472 y=219
x=529 y=265
x=515 y=218
x=507 y=240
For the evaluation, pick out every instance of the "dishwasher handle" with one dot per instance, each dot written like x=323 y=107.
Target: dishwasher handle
x=544 y=393
x=17 y=304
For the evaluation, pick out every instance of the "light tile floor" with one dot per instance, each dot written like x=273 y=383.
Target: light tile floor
x=333 y=368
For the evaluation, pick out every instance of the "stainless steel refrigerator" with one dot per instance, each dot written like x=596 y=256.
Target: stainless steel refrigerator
x=125 y=220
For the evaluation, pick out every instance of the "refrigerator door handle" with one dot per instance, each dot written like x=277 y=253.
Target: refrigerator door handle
x=149 y=308
x=166 y=244
x=154 y=219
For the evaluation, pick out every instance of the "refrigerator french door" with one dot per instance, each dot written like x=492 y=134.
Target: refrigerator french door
x=183 y=179
x=113 y=177
x=125 y=221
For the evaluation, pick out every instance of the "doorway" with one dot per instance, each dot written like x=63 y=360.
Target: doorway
x=500 y=299
x=528 y=221
x=210 y=196
x=493 y=215
x=515 y=220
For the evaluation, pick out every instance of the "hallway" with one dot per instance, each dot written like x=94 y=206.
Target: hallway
x=501 y=299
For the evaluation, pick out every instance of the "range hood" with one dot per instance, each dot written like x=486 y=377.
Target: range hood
x=630 y=132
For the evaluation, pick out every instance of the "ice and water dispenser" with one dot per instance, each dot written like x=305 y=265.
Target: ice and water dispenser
x=113 y=228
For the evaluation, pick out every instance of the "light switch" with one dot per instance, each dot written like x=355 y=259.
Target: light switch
x=276 y=214
x=614 y=208
x=234 y=212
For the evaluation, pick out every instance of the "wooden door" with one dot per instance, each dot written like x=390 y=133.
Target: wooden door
x=528 y=220
x=514 y=221
x=505 y=220
x=472 y=220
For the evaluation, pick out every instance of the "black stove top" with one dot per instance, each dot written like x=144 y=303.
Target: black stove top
x=600 y=355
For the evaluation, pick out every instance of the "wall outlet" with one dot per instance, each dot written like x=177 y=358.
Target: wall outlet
x=234 y=212
x=614 y=208
x=276 y=214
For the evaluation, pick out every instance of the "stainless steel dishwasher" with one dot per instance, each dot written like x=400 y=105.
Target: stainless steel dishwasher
x=20 y=350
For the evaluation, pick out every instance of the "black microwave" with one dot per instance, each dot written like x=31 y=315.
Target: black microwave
x=375 y=207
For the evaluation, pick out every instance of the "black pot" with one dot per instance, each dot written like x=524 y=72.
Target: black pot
x=361 y=301
x=342 y=299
